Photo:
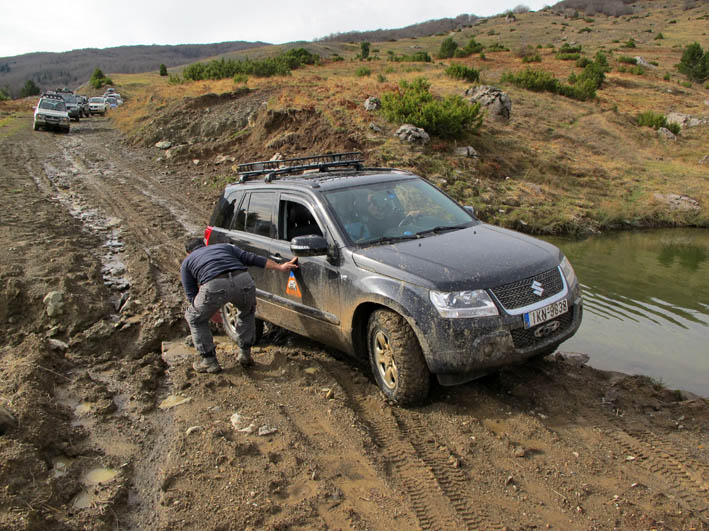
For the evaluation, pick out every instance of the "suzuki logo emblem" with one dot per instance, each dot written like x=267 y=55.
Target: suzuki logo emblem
x=547 y=329
x=537 y=288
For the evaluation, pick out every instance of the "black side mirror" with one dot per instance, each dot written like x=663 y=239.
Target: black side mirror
x=310 y=245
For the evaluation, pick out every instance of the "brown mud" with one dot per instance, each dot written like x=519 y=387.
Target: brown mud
x=104 y=424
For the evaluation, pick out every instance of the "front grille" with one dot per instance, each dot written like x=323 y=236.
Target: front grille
x=525 y=338
x=518 y=294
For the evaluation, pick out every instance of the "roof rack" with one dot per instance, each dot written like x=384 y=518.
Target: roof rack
x=322 y=163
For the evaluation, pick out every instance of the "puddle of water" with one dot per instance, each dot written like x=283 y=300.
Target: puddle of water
x=60 y=465
x=97 y=476
x=83 y=500
x=172 y=401
x=83 y=409
x=646 y=304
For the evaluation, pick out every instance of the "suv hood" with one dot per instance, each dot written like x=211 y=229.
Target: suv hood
x=478 y=257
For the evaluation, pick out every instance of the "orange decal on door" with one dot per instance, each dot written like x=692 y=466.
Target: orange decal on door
x=292 y=288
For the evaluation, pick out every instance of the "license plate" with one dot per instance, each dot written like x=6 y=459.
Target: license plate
x=546 y=313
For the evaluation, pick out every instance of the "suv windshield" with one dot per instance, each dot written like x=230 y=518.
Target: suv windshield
x=69 y=98
x=404 y=209
x=52 y=105
x=96 y=100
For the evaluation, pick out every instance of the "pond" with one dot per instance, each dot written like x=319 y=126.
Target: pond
x=646 y=304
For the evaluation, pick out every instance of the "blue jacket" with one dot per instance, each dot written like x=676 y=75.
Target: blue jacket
x=206 y=263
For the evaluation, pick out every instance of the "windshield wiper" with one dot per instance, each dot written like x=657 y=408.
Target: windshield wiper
x=440 y=229
x=390 y=239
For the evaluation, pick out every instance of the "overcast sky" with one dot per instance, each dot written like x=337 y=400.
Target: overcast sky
x=60 y=26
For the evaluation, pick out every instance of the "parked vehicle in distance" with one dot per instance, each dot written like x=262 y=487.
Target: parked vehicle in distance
x=72 y=105
x=51 y=113
x=394 y=270
x=111 y=101
x=97 y=105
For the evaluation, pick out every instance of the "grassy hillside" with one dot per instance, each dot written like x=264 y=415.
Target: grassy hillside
x=558 y=165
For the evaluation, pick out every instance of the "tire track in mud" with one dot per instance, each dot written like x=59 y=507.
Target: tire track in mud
x=437 y=490
x=685 y=477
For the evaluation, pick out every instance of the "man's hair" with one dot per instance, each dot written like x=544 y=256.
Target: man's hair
x=193 y=243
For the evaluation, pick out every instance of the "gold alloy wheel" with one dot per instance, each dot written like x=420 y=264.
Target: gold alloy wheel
x=230 y=313
x=384 y=359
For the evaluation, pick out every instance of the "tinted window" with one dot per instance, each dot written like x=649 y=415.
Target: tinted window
x=259 y=215
x=223 y=212
x=297 y=220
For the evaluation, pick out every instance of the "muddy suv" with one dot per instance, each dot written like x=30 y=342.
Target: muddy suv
x=394 y=270
x=51 y=113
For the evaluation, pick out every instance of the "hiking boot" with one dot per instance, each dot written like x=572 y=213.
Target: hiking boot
x=244 y=358
x=207 y=364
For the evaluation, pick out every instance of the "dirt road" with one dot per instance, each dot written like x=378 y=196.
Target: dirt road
x=104 y=425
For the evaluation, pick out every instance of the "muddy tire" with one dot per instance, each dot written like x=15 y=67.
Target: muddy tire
x=396 y=358
x=228 y=313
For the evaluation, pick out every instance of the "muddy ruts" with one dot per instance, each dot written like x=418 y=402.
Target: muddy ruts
x=683 y=476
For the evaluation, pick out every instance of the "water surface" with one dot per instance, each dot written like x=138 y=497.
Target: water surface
x=646 y=304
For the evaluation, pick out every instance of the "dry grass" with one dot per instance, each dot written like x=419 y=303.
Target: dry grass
x=558 y=165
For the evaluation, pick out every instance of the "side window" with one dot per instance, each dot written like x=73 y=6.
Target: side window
x=223 y=212
x=260 y=212
x=239 y=221
x=296 y=220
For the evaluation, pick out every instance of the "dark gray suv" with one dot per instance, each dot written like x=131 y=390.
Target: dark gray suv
x=393 y=269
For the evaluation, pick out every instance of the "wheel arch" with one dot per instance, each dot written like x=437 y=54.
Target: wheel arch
x=360 y=322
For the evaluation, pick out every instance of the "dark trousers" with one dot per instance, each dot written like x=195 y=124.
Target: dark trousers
x=237 y=288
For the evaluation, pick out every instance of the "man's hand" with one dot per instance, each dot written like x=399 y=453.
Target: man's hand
x=285 y=267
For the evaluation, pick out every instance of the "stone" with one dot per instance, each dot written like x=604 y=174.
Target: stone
x=704 y=160
x=497 y=102
x=54 y=301
x=224 y=158
x=466 y=151
x=266 y=430
x=677 y=201
x=372 y=103
x=666 y=133
x=376 y=128
x=412 y=134
x=163 y=144
x=58 y=345
x=642 y=62
x=7 y=420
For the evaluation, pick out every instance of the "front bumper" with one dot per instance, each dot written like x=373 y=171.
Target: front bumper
x=460 y=350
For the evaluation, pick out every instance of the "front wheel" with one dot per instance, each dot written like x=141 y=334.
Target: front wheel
x=396 y=358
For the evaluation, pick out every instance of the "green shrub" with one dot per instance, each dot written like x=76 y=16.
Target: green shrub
x=4 y=93
x=98 y=79
x=497 y=47
x=630 y=43
x=483 y=57
x=536 y=58
x=582 y=62
x=413 y=103
x=637 y=70
x=585 y=30
x=457 y=71
x=627 y=60
x=364 y=49
x=337 y=57
x=667 y=76
x=240 y=78
x=659 y=37
x=448 y=48
x=163 y=70
x=694 y=63
x=580 y=87
x=685 y=84
x=656 y=120
x=29 y=89
x=272 y=66
x=381 y=78
x=363 y=71
x=175 y=79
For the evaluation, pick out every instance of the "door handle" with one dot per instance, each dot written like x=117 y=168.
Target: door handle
x=276 y=258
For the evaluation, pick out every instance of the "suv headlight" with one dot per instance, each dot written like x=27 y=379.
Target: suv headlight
x=568 y=271
x=457 y=304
